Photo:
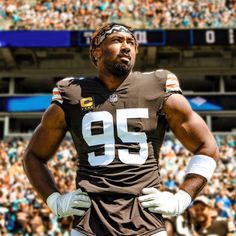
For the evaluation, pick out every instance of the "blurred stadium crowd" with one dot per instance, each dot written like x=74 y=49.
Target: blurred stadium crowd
x=89 y=14
x=23 y=213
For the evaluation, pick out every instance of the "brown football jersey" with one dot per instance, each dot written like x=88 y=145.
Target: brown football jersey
x=118 y=135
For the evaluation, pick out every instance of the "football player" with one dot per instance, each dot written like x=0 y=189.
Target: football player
x=117 y=121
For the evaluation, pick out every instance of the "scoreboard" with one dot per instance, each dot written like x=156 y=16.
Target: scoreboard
x=176 y=37
x=155 y=37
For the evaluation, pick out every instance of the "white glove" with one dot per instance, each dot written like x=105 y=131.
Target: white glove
x=68 y=204
x=165 y=203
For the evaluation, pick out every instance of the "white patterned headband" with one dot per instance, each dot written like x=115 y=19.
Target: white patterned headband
x=115 y=28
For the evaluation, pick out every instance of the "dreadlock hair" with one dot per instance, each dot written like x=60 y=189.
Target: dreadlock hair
x=95 y=42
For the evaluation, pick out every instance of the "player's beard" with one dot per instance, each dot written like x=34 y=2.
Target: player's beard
x=121 y=69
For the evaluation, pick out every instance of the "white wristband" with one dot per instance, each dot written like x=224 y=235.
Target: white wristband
x=202 y=165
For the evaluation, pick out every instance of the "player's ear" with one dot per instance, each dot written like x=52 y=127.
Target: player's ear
x=97 y=53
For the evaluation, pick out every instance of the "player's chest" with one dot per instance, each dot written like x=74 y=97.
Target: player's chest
x=117 y=113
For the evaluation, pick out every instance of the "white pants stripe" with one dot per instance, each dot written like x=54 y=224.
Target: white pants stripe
x=77 y=233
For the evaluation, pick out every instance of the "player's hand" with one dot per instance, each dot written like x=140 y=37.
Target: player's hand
x=165 y=203
x=73 y=203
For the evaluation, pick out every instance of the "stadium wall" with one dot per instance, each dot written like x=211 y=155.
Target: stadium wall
x=32 y=62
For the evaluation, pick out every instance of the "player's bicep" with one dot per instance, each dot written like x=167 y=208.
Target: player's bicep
x=188 y=126
x=49 y=134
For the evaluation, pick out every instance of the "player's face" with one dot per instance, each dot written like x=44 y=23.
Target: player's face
x=118 y=53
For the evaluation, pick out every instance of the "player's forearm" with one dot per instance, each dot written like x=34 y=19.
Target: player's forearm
x=39 y=175
x=193 y=184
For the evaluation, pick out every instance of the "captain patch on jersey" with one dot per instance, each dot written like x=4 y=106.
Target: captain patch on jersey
x=87 y=103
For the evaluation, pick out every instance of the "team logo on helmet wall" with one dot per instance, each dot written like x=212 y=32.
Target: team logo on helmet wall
x=87 y=103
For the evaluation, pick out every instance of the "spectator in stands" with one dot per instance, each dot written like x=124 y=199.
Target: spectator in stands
x=170 y=182
x=3 y=228
x=205 y=222
x=223 y=203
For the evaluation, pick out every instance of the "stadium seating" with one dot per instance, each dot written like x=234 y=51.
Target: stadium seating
x=76 y=15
